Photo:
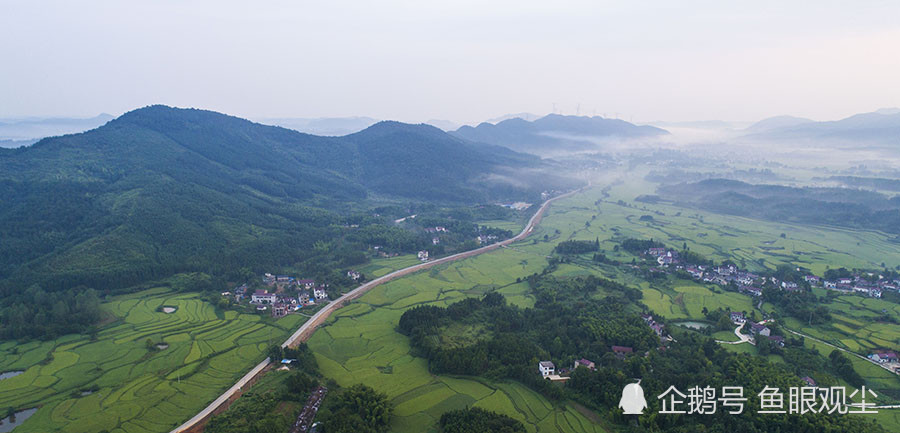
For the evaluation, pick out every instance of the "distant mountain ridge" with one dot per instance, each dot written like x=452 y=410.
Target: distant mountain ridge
x=880 y=127
x=30 y=129
x=776 y=122
x=555 y=132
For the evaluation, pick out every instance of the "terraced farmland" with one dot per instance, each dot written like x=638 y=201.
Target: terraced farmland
x=120 y=381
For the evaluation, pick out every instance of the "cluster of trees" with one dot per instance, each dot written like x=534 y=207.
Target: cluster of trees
x=478 y=420
x=802 y=305
x=36 y=313
x=638 y=246
x=843 y=367
x=577 y=247
x=357 y=409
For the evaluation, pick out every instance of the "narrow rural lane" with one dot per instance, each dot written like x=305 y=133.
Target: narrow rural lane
x=306 y=330
x=741 y=337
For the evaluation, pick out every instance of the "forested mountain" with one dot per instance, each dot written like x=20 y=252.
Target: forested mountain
x=555 y=133
x=161 y=190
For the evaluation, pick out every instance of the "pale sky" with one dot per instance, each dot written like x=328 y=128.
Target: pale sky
x=463 y=61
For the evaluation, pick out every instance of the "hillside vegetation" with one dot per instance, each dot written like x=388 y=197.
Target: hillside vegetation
x=162 y=190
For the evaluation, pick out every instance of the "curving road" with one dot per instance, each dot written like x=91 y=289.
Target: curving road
x=307 y=329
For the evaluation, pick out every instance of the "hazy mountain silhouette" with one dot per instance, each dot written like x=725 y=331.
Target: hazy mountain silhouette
x=553 y=133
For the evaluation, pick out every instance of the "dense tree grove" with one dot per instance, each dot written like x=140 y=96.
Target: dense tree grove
x=577 y=247
x=357 y=409
x=800 y=304
x=638 y=246
x=478 y=420
x=36 y=313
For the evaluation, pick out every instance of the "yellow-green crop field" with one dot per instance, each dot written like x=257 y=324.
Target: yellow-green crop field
x=137 y=389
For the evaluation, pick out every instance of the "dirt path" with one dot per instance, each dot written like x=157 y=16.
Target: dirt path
x=196 y=423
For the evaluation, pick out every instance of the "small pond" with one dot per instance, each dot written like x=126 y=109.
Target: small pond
x=8 y=374
x=7 y=425
x=694 y=325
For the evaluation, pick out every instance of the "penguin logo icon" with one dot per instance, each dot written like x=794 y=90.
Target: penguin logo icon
x=633 y=402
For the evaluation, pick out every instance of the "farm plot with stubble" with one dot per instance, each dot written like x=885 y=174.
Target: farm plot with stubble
x=148 y=371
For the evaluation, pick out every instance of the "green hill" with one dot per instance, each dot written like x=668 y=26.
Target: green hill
x=162 y=190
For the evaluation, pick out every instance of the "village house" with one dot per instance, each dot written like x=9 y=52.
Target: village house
x=883 y=357
x=546 y=368
x=657 y=328
x=584 y=363
x=303 y=298
x=283 y=279
x=319 y=293
x=759 y=329
x=809 y=381
x=353 y=275
x=262 y=297
x=423 y=256
x=656 y=252
x=777 y=339
x=269 y=279
x=812 y=279
x=695 y=272
x=279 y=310
x=285 y=299
x=830 y=284
x=753 y=291
x=306 y=283
x=745 y=279
x=622 y=351
x=485 y=239
x=788 y=285
x=737 y=318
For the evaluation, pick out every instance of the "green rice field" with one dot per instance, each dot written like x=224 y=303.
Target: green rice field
x=114 y=382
